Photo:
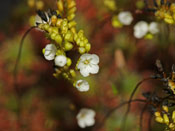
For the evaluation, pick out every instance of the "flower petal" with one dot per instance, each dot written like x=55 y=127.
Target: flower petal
x=94 y=69
x=95 y=59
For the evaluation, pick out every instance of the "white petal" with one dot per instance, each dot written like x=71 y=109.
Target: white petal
x=81 y=123
x=50 y=51
x=140 y=29
x=153 y=28
x=81 y=65
x=90 y=121
x=85 y=56
x=94 y=69
x=60 y=60
x=95 y=59
x=82 y=85
x=125 y=17
x=84 y=72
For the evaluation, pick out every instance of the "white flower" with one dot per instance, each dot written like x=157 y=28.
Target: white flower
x=141 y=29
x=125 y=17
x=50 y=51
x=85 y=117
x=153 y=28
x=60 y=60
x=88 y=63
x=82 y=85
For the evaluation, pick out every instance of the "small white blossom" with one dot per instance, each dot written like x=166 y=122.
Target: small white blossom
x=86 y=118
x=125 y=17
x=60 y=60
x=82 y=85
x=50 y=51
x=140 y=29
x=153 y=28
x=88 y=63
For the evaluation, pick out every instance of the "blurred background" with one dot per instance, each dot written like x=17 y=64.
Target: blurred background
x=50 y=104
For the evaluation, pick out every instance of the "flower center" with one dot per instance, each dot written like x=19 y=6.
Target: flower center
x=86 y=62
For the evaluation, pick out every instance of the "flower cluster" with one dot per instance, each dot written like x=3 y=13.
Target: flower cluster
x=166 y=12
x=164 y=117
x=143 y=29
x=60 y=28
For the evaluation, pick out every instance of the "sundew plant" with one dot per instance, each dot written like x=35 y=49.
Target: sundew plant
x=93 y=65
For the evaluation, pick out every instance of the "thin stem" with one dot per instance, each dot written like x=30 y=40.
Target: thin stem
x=141 y=115
x=130 y=99
x=116 y=108
x=15 y=72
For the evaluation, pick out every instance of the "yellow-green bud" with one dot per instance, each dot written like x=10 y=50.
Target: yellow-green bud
x=58 y=23
x=60 y=5
x=53 y=36
x=43 y=50
x=59 y=52
x=72 y=10
x=55 y=30
x=78 y=41
x=65 y=75
x=73 y=73
x=82 y=44
x=40 y=26
x=46 y=27
x=159 y=119
x=69 y=36
x=88 y=47
x=58 y=39
x=82 y=50
x=165 y=108
x=165 y=118
x=71 y=17
x=71 y=4
x=68 y=46
x=173 y=116
x=72 y=24
x=69 y=62
x=157 y=114
x=171 y=126
x=50 y=29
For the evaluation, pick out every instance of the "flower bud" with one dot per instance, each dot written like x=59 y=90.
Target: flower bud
x=69 y=36
x=165 y=118
x=58 y=39
x=173 y=116
x=46 y=27
x=88 y=47
x=58 y=23
x=60 y=60
x=69 y=62
x=71 y=4
x=165 y=108
x=81 y=50
x=39 y=5
x=159 y=119
x=60 y=5
x=68 y=46
x=72 y=24
x=53 y=35
x=72 y=72
x=72 y=10
x=53 y=19
x=157 y=114
x=71 y=17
